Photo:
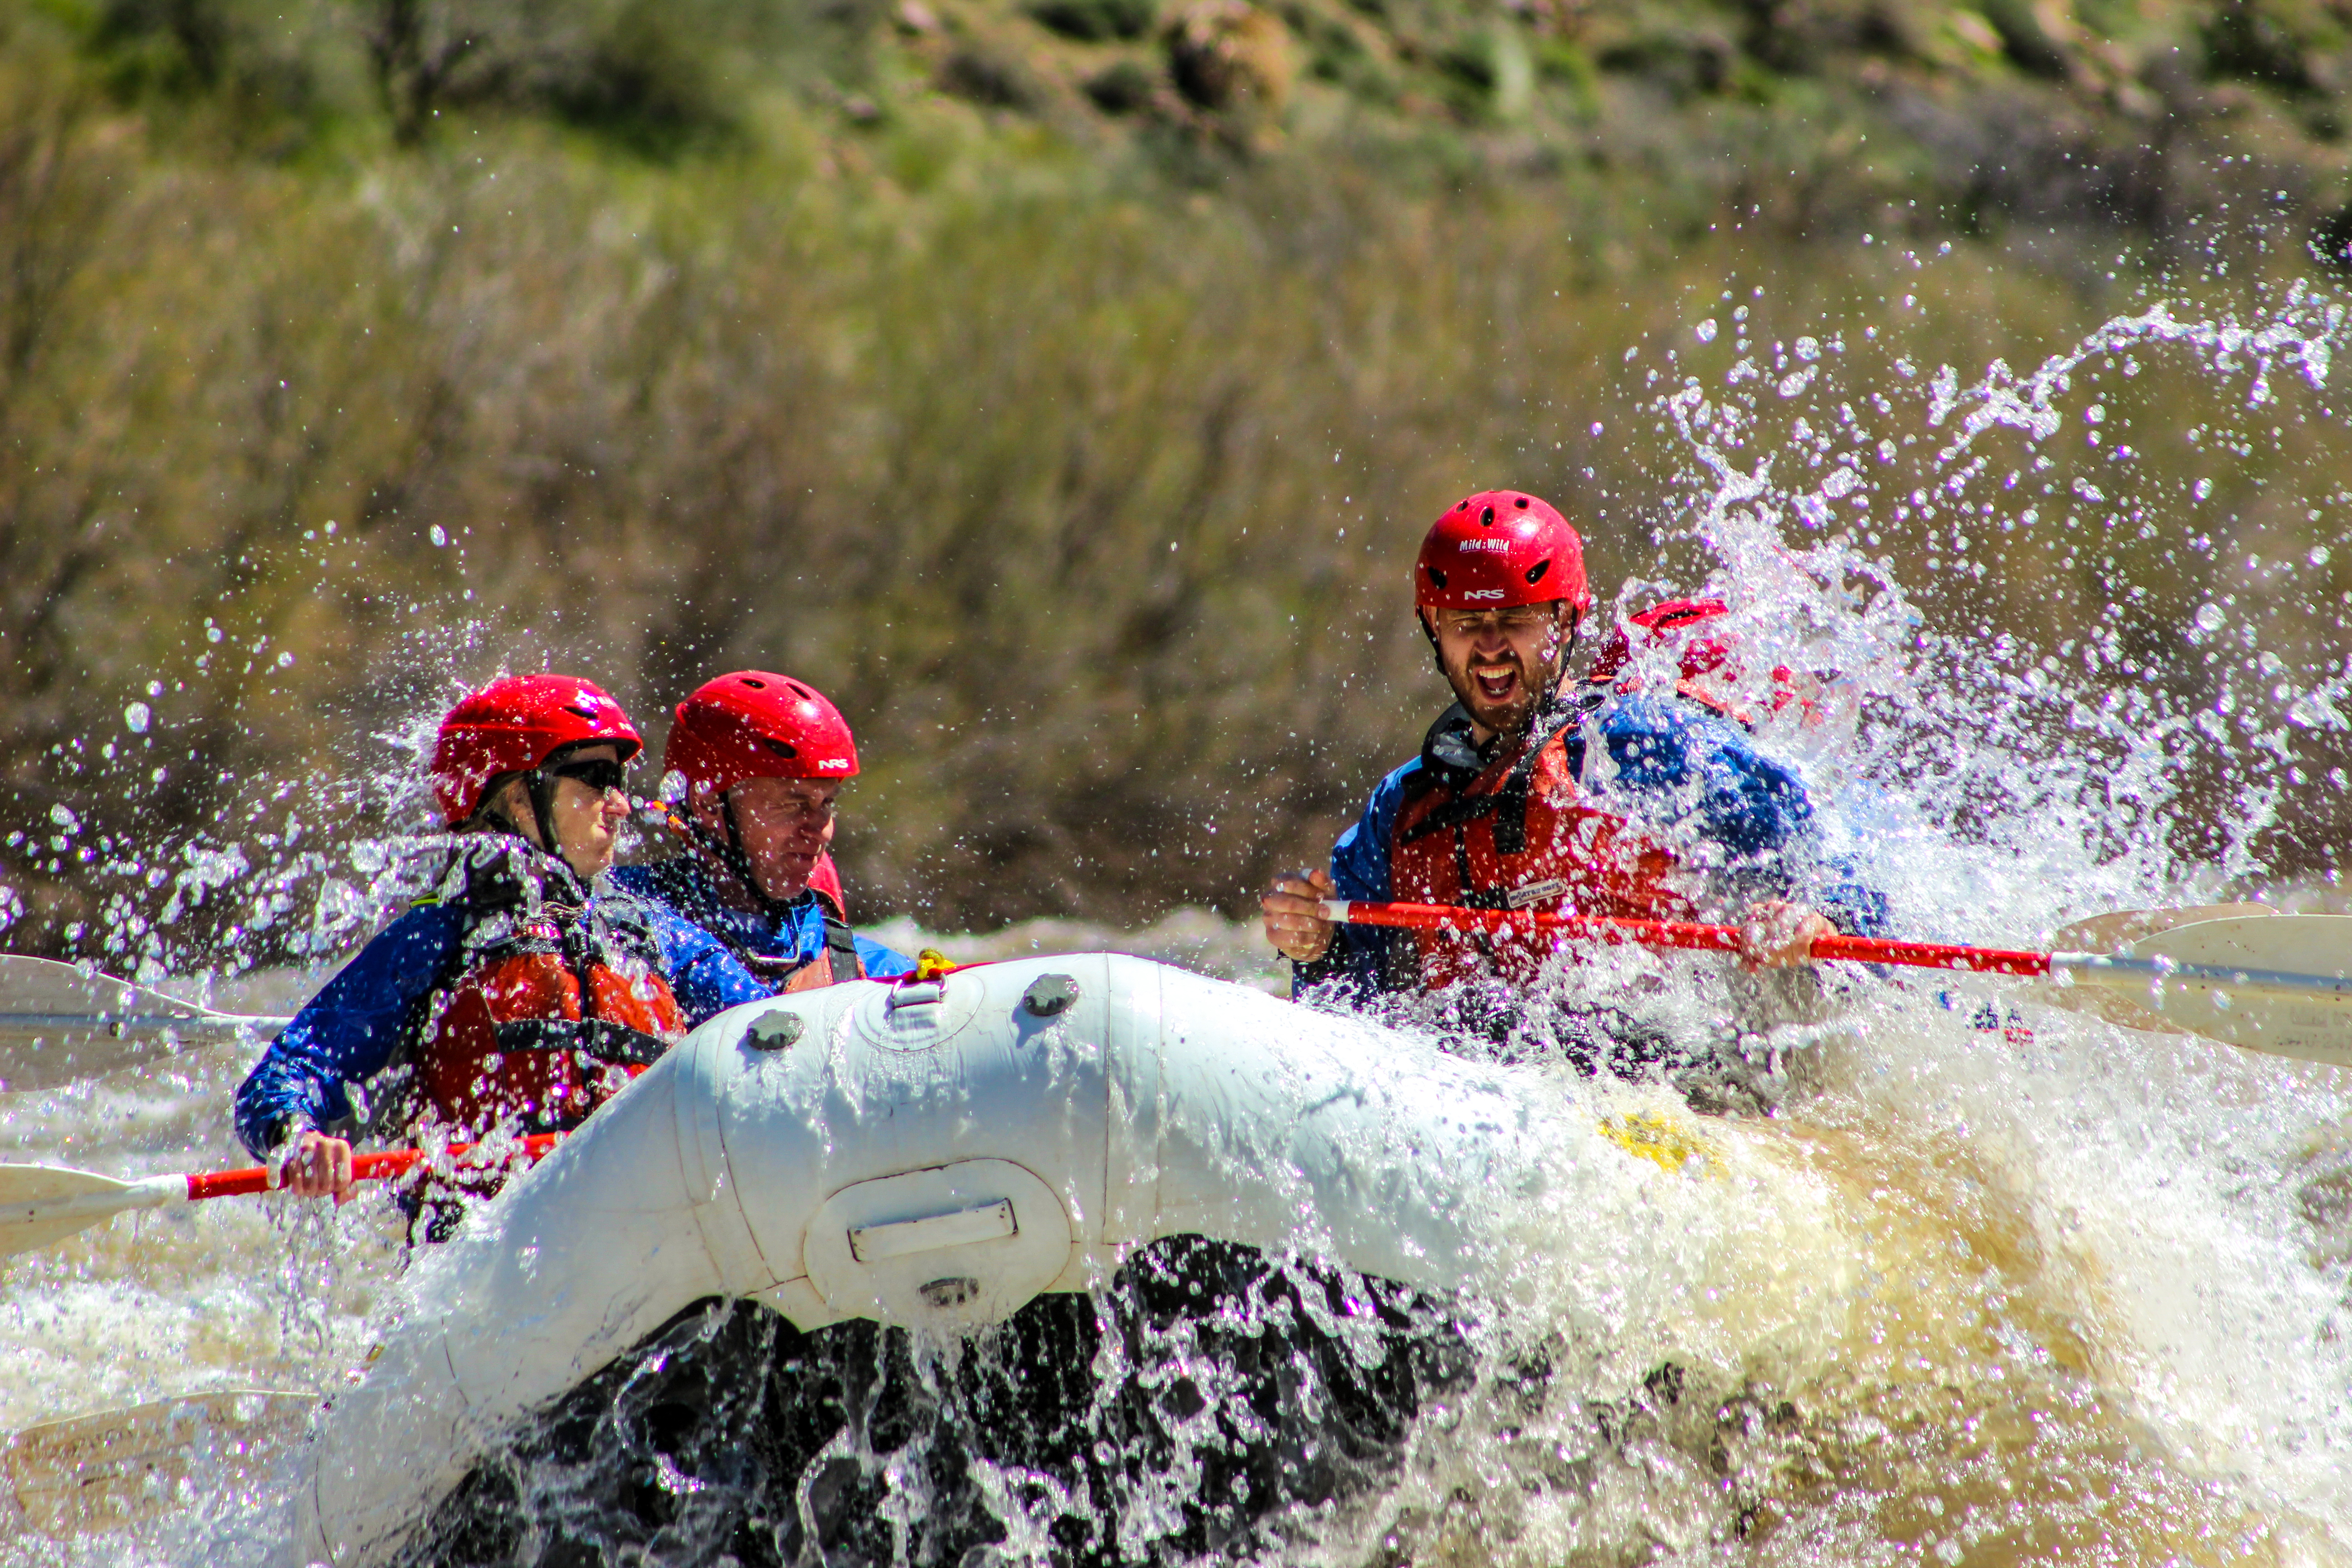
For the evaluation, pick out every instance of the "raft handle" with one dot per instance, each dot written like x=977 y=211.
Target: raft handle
x=988 y=1221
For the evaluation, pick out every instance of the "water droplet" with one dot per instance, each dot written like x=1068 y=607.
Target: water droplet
x=439 y=536
x=136 y=718
x=2211 y=618
x=1706 y=331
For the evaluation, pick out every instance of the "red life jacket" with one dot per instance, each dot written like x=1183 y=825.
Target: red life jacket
x=555 y=1007
x=1517 y=832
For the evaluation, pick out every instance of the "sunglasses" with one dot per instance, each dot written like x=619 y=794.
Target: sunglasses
x=599 y=773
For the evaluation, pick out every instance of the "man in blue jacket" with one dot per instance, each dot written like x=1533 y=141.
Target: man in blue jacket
x=1649 y=807
x=761 y=757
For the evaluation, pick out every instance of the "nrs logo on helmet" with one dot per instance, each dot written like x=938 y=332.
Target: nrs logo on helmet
x=1500 y=547
x=755 y=724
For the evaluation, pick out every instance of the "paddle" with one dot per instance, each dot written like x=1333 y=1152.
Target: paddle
x=42 y=1203
x=2269 y=983
x=60 y=1023
x=110 y=1467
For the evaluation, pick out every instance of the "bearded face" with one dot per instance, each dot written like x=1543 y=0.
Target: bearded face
x=1502 y=663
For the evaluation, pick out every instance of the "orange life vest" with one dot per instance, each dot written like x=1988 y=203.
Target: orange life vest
x=1518 y=832
x=555 y=1006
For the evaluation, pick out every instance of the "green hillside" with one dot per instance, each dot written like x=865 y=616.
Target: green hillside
x=1810 y=113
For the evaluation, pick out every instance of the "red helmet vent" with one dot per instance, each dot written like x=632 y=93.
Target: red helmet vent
x=1498 y=549
x=754 y=724
x=514 y=724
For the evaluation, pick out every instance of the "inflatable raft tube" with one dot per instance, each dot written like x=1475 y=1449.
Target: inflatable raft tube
x=931 y=1154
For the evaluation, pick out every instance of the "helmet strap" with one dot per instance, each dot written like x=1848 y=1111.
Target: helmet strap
x=737 y=860
x=541 y=785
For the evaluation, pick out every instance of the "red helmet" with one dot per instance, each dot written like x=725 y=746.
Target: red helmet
x=1662 y=623
x=1500 y=548
x=755 y=725
x=515 y=723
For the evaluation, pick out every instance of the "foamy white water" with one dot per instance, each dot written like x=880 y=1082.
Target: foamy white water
x=2060 y=1292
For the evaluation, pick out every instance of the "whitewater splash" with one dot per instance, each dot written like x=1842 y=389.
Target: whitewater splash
x=2044 y=1291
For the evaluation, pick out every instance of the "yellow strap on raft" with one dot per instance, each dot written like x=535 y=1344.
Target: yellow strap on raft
x=933 y=964
x=1646 y=1135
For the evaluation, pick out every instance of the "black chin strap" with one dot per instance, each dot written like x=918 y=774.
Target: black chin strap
x=541 y=785
x=538 y=784
x=733 y=855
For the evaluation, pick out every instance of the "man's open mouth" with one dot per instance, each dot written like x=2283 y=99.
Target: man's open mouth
x=1496 y=682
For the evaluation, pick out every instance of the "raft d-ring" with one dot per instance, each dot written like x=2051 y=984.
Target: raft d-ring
x=933 y=964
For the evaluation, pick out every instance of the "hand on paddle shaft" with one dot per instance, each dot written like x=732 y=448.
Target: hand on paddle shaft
x=1773 y=934
x=2276 y=984
x=315 y=1165
x=1294 y=915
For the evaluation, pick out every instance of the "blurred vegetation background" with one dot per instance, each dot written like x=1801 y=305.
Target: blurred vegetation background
x=1062 y=384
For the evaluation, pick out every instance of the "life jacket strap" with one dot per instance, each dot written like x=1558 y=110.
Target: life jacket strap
x=841 y=947
x=598 y=1037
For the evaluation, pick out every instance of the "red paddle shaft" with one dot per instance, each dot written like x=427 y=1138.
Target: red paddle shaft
x=1679 y=934
x=364 y=1168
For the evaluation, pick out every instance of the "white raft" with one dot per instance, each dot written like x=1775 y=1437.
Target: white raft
x=933 y=1155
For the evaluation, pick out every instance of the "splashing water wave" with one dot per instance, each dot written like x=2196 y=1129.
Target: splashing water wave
x=2049 y=1292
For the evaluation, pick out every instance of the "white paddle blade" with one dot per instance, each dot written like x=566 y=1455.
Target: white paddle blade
x=2279 y=984
x=42 y=1203
x=117 y=1467
x=60 y=1024
x=2115 y=931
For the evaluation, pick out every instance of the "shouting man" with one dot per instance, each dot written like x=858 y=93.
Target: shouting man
x=1524 y=798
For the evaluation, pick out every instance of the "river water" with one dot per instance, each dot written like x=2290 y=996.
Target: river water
x=2043 y=1291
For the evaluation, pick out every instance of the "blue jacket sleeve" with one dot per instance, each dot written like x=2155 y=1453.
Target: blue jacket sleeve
x=1357 y=958
x=882 y=963
x=705 y=975
x=347 y=1033
x=1696 y=772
